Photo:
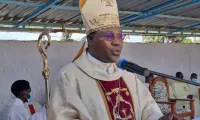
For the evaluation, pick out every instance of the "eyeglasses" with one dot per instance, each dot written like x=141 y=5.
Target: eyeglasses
x=112 y=36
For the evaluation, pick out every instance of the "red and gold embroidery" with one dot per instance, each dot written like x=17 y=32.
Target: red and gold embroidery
x=126 y=107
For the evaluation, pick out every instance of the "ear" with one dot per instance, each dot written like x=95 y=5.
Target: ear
x=21 y=93
x=90 y=39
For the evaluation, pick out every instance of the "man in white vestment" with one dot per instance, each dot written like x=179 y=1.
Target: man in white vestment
x=92 y=87
x=16 y=109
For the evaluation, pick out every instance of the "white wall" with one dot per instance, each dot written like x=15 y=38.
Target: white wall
x=21 y=60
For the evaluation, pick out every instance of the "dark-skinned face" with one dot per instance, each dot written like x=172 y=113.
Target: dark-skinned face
x=193 y=77
x=180 y=76
x=104 y=46
x=25 y=95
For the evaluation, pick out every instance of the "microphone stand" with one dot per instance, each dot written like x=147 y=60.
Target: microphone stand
x=174 y=78
x=132 y=67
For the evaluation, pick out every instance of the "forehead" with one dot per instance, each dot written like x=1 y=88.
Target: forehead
x=113 y=29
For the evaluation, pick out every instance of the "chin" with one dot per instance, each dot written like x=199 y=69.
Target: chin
x=114 y=59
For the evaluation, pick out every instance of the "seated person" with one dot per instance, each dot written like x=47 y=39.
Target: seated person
x=16 y=110
x=194 y=91
x=181 y=91
x=193 y=77
x=148 y=80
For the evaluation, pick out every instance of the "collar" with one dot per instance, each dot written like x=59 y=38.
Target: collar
x=90 y=57
x=97 y=69
x=109 y=67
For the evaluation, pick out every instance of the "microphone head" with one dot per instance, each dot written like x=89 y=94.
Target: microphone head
x=120 y=63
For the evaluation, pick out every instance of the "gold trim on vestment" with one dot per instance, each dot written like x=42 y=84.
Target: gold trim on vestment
x=131 y=97
x=104 y=99
x=79 y=52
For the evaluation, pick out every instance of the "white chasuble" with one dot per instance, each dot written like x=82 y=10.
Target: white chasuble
x=86 y=90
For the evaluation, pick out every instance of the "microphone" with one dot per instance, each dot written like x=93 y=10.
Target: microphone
x=134 y=68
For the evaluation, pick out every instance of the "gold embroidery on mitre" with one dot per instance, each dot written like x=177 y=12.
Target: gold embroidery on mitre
x=108 y=2
x=121 y=99
x=105 y=21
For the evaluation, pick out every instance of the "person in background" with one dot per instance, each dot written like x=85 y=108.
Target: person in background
x=181 y=91
x=194 y=89
x=195 y=92
x=193 y=77
x=15 y=109
x=148 y=80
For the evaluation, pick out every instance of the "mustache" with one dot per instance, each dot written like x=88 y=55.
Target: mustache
x=116 y=49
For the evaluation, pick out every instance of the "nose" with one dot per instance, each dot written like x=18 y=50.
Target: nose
x=116 y=42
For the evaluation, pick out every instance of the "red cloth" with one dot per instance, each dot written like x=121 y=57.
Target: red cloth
x=31 y=108
x=126 y=101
